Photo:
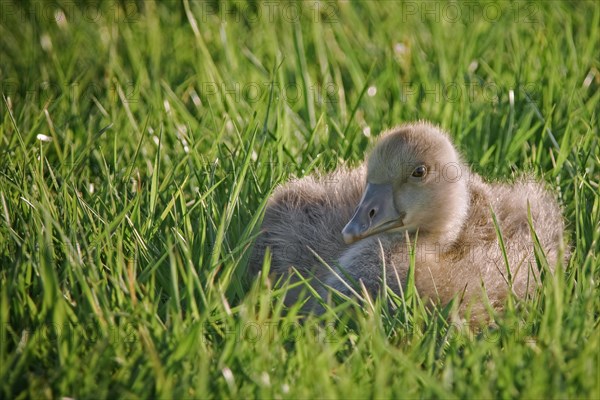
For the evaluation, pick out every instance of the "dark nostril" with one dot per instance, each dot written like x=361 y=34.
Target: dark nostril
x=372 y=213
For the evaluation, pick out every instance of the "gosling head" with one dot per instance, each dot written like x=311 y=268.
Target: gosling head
x=415 y=181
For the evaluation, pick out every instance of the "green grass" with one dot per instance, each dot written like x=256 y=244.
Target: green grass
x=124 y=239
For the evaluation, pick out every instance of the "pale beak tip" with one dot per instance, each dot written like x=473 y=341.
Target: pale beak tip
x=349 y=238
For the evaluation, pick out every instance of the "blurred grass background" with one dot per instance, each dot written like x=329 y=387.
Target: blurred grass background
x=139 y=142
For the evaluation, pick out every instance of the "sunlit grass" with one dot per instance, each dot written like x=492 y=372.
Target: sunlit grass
x=139 y=144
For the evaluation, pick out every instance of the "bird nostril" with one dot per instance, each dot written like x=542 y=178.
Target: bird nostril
x=372 y=213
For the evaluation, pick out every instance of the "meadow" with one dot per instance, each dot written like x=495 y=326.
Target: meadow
x=140 y=141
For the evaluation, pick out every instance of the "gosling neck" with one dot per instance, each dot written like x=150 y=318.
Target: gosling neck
x=447 y=220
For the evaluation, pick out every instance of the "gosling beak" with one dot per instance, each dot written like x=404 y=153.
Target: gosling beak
x=375 y=213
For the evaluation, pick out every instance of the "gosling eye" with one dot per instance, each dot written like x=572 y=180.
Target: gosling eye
x=420 y=171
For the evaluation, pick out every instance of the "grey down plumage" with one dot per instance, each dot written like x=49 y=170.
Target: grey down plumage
x=414 y=186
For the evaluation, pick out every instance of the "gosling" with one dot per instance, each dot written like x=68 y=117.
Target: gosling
x=415 y=194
